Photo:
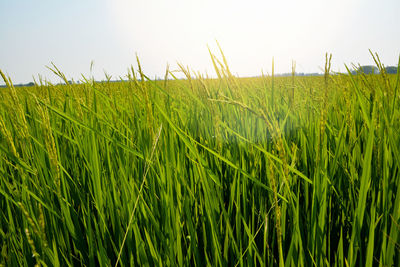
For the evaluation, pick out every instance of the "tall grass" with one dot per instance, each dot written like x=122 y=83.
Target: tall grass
x=297 y=171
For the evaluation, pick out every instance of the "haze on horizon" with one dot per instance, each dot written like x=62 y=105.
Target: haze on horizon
x=72 y=34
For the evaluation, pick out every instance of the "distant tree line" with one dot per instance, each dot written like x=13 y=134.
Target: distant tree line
x=20 y=85
x=391 y=70
x=368 y=69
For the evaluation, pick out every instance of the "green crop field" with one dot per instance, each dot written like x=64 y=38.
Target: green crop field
x=267 y=171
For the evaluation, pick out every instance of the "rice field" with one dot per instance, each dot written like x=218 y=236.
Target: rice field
x=267 y=171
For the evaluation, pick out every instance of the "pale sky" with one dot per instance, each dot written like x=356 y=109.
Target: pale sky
x=73 y=33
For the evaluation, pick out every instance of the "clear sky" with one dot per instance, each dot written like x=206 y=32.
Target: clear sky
x=73 y=33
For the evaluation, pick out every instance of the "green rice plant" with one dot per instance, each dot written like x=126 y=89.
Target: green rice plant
x=263 y=171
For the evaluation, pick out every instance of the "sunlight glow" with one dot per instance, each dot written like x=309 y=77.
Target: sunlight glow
x=250 y=32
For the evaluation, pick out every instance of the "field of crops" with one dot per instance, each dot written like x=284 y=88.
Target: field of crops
x=268 y=171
